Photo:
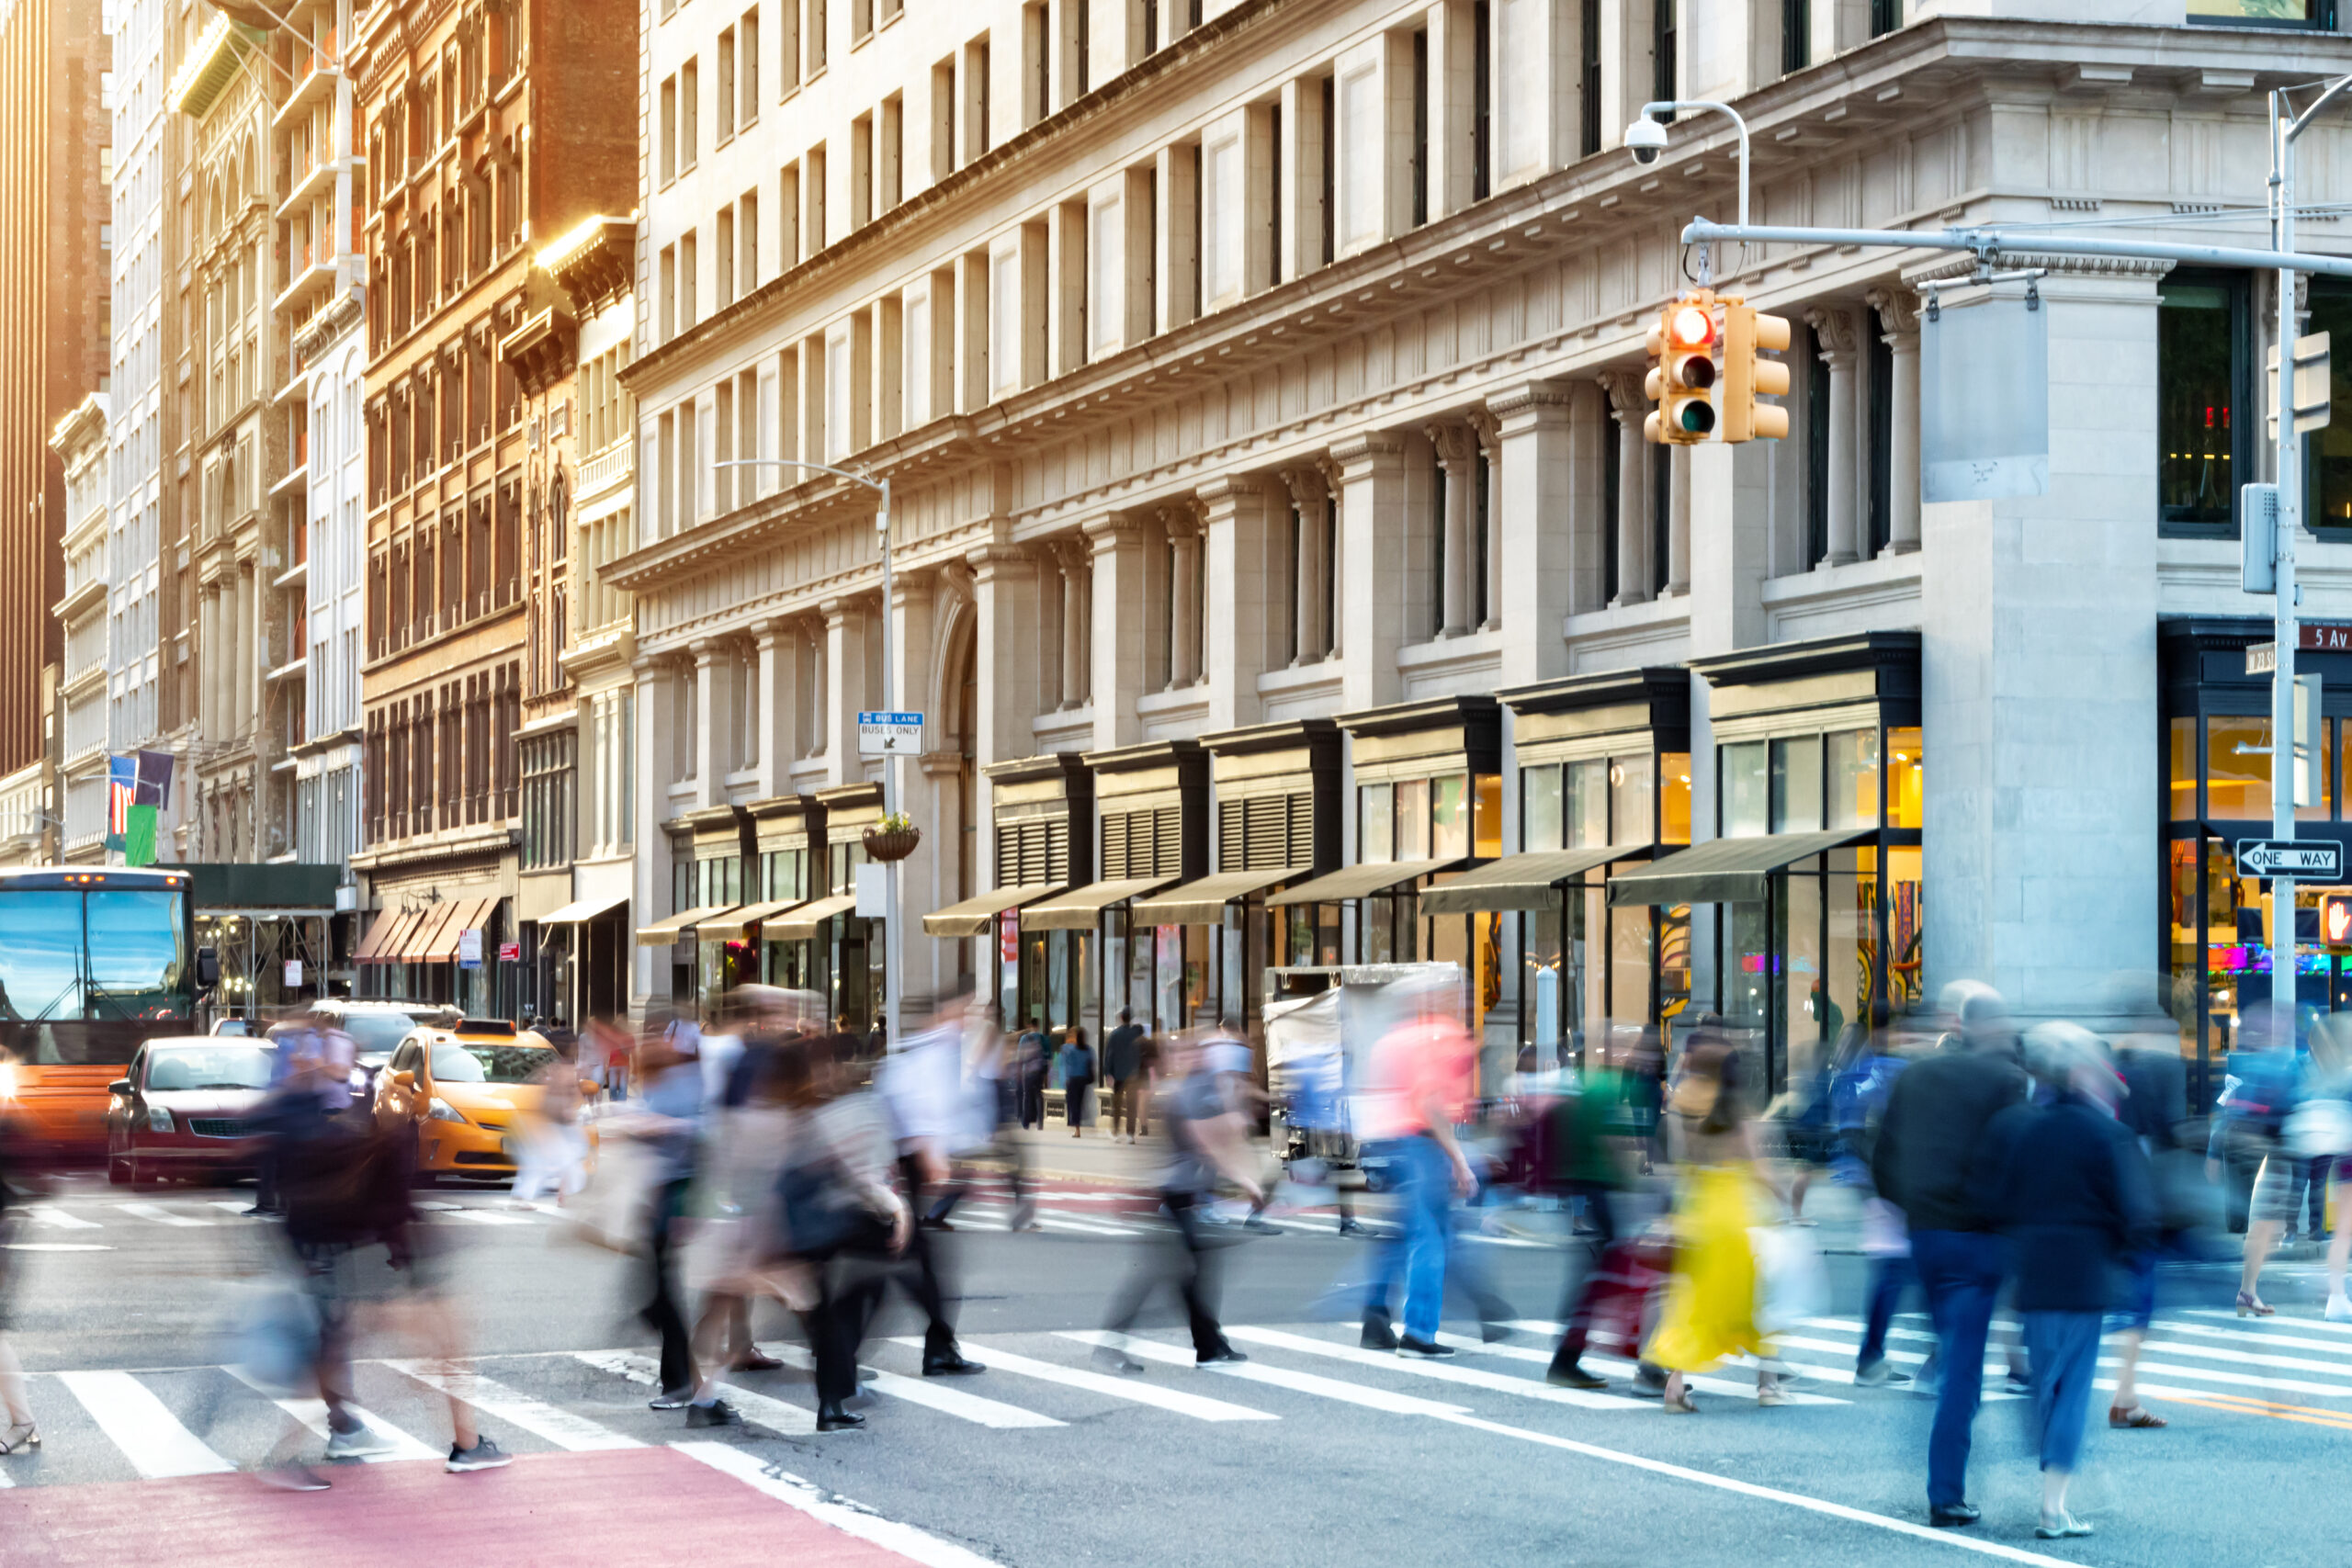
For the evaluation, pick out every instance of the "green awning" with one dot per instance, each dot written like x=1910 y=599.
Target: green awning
x=1080 y=907
x=973 y=917
x=1725 y=870
x=1361 y=881
x=1530 y=881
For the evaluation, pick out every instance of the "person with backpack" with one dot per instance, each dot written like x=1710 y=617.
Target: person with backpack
x=2265 y=1083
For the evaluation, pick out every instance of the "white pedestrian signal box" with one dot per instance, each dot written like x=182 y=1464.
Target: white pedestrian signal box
x=2303 y=860
x=889 y=734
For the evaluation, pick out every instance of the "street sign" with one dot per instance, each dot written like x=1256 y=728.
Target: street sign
x=2304 y=859
x=2262 y=659
x=469 y=948
x=293 y=974
x=889 y=734
x=510 y=952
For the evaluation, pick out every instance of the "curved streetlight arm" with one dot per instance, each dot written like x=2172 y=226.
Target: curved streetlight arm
x=1658 y=108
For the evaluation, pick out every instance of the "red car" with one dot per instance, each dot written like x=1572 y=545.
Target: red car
x=184 y=1109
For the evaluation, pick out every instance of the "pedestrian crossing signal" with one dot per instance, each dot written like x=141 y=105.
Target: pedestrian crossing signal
x=1684 y=345
x=2335 y=919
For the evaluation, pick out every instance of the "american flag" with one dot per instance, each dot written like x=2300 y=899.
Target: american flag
x=122 y=786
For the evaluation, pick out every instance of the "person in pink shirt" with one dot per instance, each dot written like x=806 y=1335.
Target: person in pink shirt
x=1422 y=1074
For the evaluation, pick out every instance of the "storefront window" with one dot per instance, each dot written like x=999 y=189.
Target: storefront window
x=1377 y=840
x=1906 y=767
x=1448 y=818
x=1633 y=804
x=2237 y=767
x=1588 y=804
x=2198 y=324
x=1746 y=794
x=1539 y=808
x=1853 y=778
x=2181 y=769
x=1413 y=819
x=1674 y=797
x=1487 y=816
x=1906 y=926
x=1797 y=785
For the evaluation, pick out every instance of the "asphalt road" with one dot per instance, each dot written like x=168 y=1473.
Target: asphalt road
x=1314 y=1453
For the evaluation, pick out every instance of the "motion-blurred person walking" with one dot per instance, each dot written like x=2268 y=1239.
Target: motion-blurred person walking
x=1861 y=1083
x=921 y=1087
x=2266 y=1083
x=20 y=1433
x=1419 y=1079
x=1123 y=1070
x=1936 y=1122
x=1588 y=1145
x=1207 y=1140
x=2063 y=1180
x=1710 y=1296
x=669 y=1120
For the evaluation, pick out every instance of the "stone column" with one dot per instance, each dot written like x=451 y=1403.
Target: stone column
x=1069 y=563
x=1370 y=591
x=1898 y=311
x=1312 y=496
x=1487 y=524
x=1456 y=451
x=779 y=645
x=1534 y=534
x=820 y=682
x=911 y=631
x=1007 y=596
x=847 y=691
x=1677 y=524
x=1184 y=604
x=245 y=676
x=650 y=881
x=1120 y=551
x=1240 y=549
x=1628 y=404
x=710 y=722
x=1839 y=344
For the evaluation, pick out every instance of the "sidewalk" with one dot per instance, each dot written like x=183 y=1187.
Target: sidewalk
x=1055 y=1156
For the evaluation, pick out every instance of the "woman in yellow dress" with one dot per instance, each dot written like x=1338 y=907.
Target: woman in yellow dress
x=1711 y=1299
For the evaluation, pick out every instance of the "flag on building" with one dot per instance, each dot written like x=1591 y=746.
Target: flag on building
x=122 y=788
x=153 y=788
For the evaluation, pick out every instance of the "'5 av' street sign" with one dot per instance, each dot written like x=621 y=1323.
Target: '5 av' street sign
x=2307 y=859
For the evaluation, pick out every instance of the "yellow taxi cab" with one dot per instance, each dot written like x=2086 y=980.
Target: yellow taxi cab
x=469 y=1093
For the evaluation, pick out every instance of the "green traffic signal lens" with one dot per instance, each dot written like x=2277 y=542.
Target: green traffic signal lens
x=1696 y=417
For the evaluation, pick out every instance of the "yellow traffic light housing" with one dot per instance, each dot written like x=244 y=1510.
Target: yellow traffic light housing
x=1683 y=347
x=1747 y=332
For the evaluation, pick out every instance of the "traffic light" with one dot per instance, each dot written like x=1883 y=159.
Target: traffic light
x=1747 y=332
x=2335 y=919
x=1683 y=345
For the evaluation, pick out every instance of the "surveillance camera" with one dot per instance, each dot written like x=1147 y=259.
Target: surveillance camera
x=1646 y=140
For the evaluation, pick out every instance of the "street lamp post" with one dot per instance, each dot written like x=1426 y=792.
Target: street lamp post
x=890 y=935
x=2286 y=126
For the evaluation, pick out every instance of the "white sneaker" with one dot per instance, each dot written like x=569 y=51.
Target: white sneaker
x=356 y=1442
x=2339 y=1307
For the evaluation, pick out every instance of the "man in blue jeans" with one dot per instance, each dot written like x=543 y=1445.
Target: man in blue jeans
x=1936 y=1124
x=1421 y=1076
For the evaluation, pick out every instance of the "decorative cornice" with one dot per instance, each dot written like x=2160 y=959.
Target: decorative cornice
x=1837 y=335
x=1455 y=443
x=1627 y=399
x=1898 y=311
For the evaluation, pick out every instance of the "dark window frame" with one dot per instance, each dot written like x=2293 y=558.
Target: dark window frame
x=2246 y=391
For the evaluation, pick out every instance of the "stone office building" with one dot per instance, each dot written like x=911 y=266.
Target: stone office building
x=1265 y=378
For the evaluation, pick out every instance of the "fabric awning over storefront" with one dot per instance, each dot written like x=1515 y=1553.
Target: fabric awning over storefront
x=439 y=945
x=1530 y=881
x=1078 y=909
x=1360 y=882
x=579 y=911
x=802 y=923
x=661 y=933
x=736 y=926
x=1203 y=903
x=1725 y=870
x=382 y=942
x=972 y=918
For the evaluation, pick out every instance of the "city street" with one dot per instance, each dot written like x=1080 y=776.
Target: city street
x=1313 y=1452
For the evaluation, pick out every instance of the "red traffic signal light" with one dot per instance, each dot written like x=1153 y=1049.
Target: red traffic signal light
x=1683 y=348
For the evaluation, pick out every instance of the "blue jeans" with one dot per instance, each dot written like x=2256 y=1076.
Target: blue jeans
x=1890 y=1276
x=1960 y=1272
x=1425 y=1198
x=2065 y=1349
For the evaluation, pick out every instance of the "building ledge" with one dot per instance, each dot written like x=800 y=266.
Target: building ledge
x=1832 y=600
x=442 y=845
x=1628 y=636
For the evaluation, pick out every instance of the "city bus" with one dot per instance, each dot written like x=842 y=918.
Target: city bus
x=92 y=962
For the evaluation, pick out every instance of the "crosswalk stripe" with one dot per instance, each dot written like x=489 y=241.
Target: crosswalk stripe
x=2317 y=1325
x=50 y=1215
x=2248 y=1380
x=1273 y=1376
x=1468 y=1377
x=561 y=1427
x=228 y=1206
x=919 y=1546
x=937 y=1396
x=776 y=1415
x=2244 y=1358
x=1195 y=1406
x=55 y=1247
x=488 y=1217
x=149 y=1436
x=158 y=1214
x=2285 y=1341
x=313 y=1414
x=1722 y=1386
x=1077 y=1226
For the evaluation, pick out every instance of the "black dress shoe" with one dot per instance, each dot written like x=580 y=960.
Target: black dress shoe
x=1950 y=1516
x=950 y=1364
x=1378 y=1335
x=832 y=1417
x=1223 y=1353
x=756 y=1361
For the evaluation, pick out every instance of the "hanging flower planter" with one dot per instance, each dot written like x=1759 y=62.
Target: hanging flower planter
x=893 y=838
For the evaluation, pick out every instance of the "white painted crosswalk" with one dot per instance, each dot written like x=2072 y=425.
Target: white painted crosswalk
x=118 y=1424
